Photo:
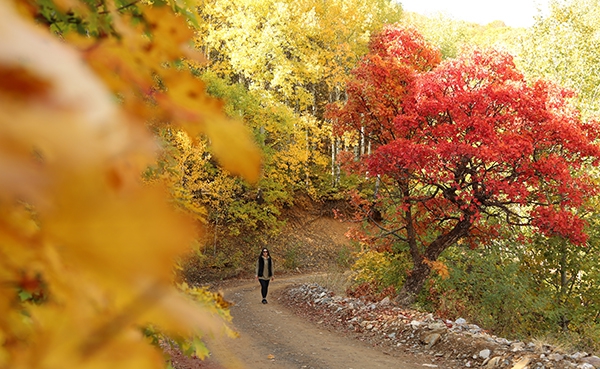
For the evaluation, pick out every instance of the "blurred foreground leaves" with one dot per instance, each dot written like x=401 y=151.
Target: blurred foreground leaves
x=87 y=249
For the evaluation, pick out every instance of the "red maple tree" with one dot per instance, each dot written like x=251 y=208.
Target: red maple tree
x=463 y=147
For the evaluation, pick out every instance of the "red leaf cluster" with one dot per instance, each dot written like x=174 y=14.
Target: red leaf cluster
x=468 y=139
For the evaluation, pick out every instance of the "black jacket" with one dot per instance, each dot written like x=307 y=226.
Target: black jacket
x=260 y=267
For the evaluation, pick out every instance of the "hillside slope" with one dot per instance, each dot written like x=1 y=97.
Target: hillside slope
x=312 y=239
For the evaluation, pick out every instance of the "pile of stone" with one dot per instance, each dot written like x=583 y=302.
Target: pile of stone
x=395 y=328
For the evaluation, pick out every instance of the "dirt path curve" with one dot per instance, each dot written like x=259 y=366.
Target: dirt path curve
x=271 y=336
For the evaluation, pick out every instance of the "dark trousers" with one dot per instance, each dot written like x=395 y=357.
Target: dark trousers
x=264 y=287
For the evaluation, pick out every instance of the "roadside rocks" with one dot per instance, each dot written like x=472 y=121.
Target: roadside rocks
x=458 y=343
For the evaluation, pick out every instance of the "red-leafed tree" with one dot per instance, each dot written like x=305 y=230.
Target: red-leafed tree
x=381 y=82
x=464 y=147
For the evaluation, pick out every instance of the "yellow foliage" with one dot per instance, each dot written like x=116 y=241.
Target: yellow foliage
x=291 y=47
x=439 y=267
x=132 y=64
x=86 y=249
x=230 y=142
x=370 y=266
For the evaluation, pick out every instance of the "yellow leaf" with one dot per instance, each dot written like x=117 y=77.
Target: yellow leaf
x=125 y=238
x=236 y=152
x=174 y=313
x=164 y=22
x=200 y=349
x=439 y=267
x=199 y=113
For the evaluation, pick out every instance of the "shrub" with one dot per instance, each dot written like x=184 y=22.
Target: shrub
x=377 y=274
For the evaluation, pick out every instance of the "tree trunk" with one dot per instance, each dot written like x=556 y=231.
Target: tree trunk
x=414 y=284
x=418 y=275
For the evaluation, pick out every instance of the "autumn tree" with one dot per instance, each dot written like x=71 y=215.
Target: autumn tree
x=296 y=52
x=299 y=51
x=564 y=47
x=232 y=208
x=451 y=35
x=463 y=148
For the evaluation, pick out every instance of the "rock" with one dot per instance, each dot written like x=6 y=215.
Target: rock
x=323 y=301
x=555 y=357
x=494 y=362
x=412 y=330
x=579 y=355
x=474 y=329
x=592 y=360
x=522 y=363
x=503 y=341
x=431 y=339
x=437 y=327
x=585 y=366
x=517 y=346
x=484 y=354
x=415 y=324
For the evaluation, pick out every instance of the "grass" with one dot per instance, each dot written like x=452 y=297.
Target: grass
x=335 y=280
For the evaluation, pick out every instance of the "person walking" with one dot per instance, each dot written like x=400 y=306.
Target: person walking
x=264 y=272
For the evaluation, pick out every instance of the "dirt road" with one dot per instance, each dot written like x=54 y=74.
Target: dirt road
x=273 y=337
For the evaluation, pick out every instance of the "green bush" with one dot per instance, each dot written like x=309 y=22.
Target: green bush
x=291 y=258
x=513 y=289
x=491 y=289
x=370 y=267
x=378 y=273
x=344 y=258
